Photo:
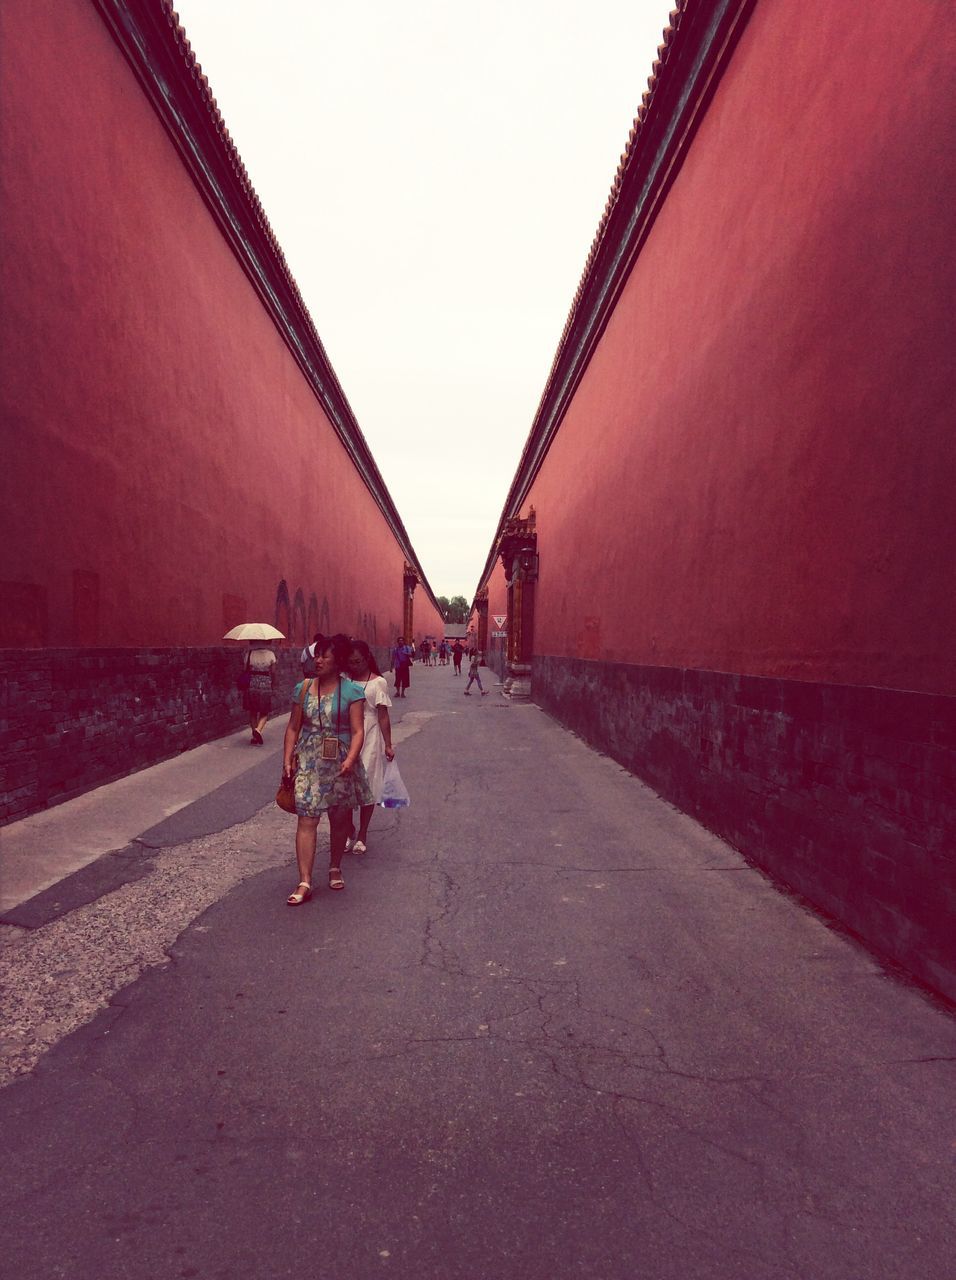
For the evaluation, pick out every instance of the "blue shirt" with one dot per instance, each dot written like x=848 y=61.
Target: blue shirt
x=331 y=718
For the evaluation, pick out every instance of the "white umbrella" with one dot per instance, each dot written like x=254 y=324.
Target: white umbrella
x=254 y=631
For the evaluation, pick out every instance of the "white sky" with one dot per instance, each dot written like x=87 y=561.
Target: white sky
x=435 y=173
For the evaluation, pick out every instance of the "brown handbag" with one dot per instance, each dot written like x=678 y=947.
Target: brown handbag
x=285 y=796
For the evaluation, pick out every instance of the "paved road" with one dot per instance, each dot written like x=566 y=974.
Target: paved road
x=156 y=806
x=551 y=1029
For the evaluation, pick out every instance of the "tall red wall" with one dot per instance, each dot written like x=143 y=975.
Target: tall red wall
x=746 y=523
x=167 y=464
x=497 y=650
x=757 y=473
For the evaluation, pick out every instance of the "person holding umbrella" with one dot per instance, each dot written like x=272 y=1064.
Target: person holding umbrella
x=258 y=673
x=260 y=664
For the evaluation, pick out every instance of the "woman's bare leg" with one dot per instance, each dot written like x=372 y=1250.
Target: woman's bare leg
x=305 y=833
x=340 y=820
x=365 y=813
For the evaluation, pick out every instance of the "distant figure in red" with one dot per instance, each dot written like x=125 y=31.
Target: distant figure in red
x=457 y=653
x=401 y=665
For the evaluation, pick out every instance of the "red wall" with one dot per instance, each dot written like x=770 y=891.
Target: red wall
x=497 y=594
x=427 y=620
x=497 y=603
x=757 y=473
x=164 y=451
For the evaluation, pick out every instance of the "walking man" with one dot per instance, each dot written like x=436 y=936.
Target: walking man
x=401 y=665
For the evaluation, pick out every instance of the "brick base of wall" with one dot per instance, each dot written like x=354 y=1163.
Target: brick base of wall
x=845 y=794
x=73 y=719
x=494 y=658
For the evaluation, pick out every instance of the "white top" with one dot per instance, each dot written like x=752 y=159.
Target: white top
x=260 y=659
x=373 y=748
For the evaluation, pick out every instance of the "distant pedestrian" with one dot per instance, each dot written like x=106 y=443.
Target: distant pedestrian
x=322 y=755
x=377 y=747
x=457 y=653
x=443 y=654
x=401 y=663
x=425 y=651
x=474 y=677
x=260 y=664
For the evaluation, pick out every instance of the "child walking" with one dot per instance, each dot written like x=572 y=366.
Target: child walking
x=473 y=676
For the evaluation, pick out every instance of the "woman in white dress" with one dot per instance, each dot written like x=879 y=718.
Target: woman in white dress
x=377 y=748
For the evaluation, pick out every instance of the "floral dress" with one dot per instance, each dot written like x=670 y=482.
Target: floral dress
x=318 y=784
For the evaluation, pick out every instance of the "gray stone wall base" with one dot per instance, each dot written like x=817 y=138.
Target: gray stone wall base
x=517 y=685
x=74 y=719
x=846 y=794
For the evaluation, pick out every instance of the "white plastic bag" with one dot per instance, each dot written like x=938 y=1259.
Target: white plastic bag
x=394 y=791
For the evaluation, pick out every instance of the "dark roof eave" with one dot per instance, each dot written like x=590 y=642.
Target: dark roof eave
x=697 y=46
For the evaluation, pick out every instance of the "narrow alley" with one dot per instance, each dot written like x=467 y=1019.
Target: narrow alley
x=552 y=1028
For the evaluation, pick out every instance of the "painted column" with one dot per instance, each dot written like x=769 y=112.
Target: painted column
x=517 y=548
x=409 y=583
x=481 y=605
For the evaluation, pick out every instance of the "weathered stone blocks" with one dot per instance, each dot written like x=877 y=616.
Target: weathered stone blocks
x=844 y=793
x=74 y=719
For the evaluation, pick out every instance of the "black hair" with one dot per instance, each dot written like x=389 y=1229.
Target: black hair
x=367 y=654
x=339 y=644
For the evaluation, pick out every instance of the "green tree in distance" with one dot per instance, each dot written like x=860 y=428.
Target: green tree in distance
x=455 y=610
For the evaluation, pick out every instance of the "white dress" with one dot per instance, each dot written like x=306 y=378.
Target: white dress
x=373 y=748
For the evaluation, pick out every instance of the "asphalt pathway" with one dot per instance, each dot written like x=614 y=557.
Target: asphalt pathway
x=552 y=1028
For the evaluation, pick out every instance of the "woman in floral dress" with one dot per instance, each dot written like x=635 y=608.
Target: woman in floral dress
x=322 y=752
